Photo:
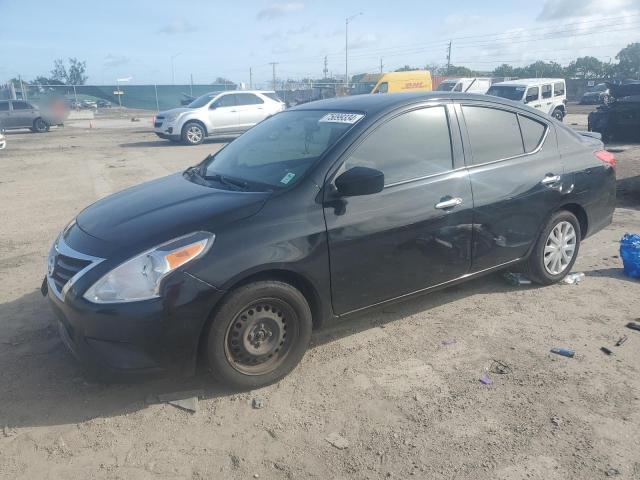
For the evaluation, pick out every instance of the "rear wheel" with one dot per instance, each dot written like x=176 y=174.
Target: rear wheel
x=40 y=126
x=192 y=133
x=558 y=114
x=556 y=250
x=259 y=334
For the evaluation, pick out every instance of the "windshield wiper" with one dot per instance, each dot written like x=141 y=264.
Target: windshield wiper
x=232 y=183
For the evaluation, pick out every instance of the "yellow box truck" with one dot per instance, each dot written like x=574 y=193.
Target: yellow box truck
x=397 y=82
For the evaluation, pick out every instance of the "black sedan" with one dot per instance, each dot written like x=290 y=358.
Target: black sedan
x=320 y=211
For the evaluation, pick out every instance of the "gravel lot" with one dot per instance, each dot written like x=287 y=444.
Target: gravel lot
x=390 y=394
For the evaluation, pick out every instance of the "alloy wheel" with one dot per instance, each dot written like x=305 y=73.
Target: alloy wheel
x=194 y=134
x=261 y=336
x=559 y=248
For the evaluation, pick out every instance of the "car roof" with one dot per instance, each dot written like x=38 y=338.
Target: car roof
x=376 y=103
x=240 y=91
x=530 y=81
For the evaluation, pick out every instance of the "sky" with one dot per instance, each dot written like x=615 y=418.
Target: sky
x=209 y=39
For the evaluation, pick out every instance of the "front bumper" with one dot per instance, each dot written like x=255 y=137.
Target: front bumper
x=153 y=336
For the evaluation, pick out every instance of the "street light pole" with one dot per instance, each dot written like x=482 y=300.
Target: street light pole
x=173 y=74
x=346 y=47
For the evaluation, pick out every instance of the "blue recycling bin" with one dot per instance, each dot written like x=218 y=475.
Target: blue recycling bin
x=630 y=253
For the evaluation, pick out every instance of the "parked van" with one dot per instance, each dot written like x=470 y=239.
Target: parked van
x=549 y=95
x=465 y=84
x=412 y=81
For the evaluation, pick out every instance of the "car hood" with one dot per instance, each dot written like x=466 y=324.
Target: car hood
x=157 y=211
x=175 y=111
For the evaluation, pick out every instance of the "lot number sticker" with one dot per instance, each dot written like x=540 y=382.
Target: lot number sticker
x=349 y=118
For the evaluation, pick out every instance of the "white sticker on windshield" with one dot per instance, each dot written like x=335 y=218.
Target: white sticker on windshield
x=287 y=178
x=350 y=118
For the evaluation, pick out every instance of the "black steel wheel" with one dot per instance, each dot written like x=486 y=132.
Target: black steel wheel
x=558 y=115
x=259 y=334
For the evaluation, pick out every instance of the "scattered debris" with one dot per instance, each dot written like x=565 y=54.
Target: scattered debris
x=188 y=404
x=135 y=119
x=337 y=441
x=621 y=341
x=634 y=326
x=484 y=379
x=617 y=149
x=516 y=279
x=556 y=421
x=573 y=278
x=258 y=403
x=630 y=253
x=499 y=367
x=8 y=432
x=449 y=341
x=565 y=352
x=612 y=472
x=606 y=350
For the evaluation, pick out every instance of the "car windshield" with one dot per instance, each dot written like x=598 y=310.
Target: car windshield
x=511 y=92
x=277 y=152
x=601 y=87
x=446 y=86
x=202 y=101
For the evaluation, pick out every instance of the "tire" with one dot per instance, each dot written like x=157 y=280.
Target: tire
x=40 y=126
x=558 y=115
x=258 y=335
x=193 y=133
x=540 y=266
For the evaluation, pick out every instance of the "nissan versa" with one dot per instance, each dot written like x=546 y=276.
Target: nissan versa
x=321 y=211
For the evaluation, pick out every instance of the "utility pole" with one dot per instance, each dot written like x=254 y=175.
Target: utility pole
x=381 y=66
x=346 y=47
x=191 y=85
x=325 y=70
x=449 y=58
x=273 y=66
x=250 y=79
x=173 y=73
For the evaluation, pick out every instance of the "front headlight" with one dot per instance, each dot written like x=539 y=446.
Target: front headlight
x=171 y=117
x=139 y=278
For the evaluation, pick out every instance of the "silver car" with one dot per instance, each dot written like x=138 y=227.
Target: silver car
x=22 y=114
x=217 y=114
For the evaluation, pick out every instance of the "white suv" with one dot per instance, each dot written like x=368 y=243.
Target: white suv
x=549 y=95
x=216 y=114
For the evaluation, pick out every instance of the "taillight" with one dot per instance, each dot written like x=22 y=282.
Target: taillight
x=606 y=157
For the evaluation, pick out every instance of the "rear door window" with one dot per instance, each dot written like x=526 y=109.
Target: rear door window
x=248 y=99
x=546 y=91
x=532 y=132
x=494 y=134
x=558 y=89
x=532 y=94
x=412 y=145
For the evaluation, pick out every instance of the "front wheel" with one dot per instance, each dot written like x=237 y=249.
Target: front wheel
x=259 y=334
x=192 y=133
x=40 y=126
x=558 y=115
x=556 y=250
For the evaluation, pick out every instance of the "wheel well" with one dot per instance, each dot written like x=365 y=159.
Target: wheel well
x=204 y=127
x=560 y=107
x=580 y=214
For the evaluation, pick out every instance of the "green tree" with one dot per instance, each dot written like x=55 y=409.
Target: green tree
x=504 y=70
x=586 y=67
x=629 y=61
x=76 y=72
x=406 y=68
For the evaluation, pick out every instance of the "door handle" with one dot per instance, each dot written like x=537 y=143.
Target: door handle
x=451 y=203
x=550 y=179
x=537 y=106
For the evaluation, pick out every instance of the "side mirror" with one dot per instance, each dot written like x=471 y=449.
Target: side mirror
x=360 y=181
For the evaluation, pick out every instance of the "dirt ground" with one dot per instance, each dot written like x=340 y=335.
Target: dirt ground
x=397 y=391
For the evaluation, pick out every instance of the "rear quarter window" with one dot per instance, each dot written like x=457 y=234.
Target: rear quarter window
x=494 y=134
x=532 y=133
x=272 y=96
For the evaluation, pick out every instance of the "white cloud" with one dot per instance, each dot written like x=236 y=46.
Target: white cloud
x=366 y=40
x=563 y=9
x=279 y=9
x=178 y=26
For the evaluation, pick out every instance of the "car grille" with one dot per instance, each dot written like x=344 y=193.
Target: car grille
x=158 y=122
x=64 y=268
